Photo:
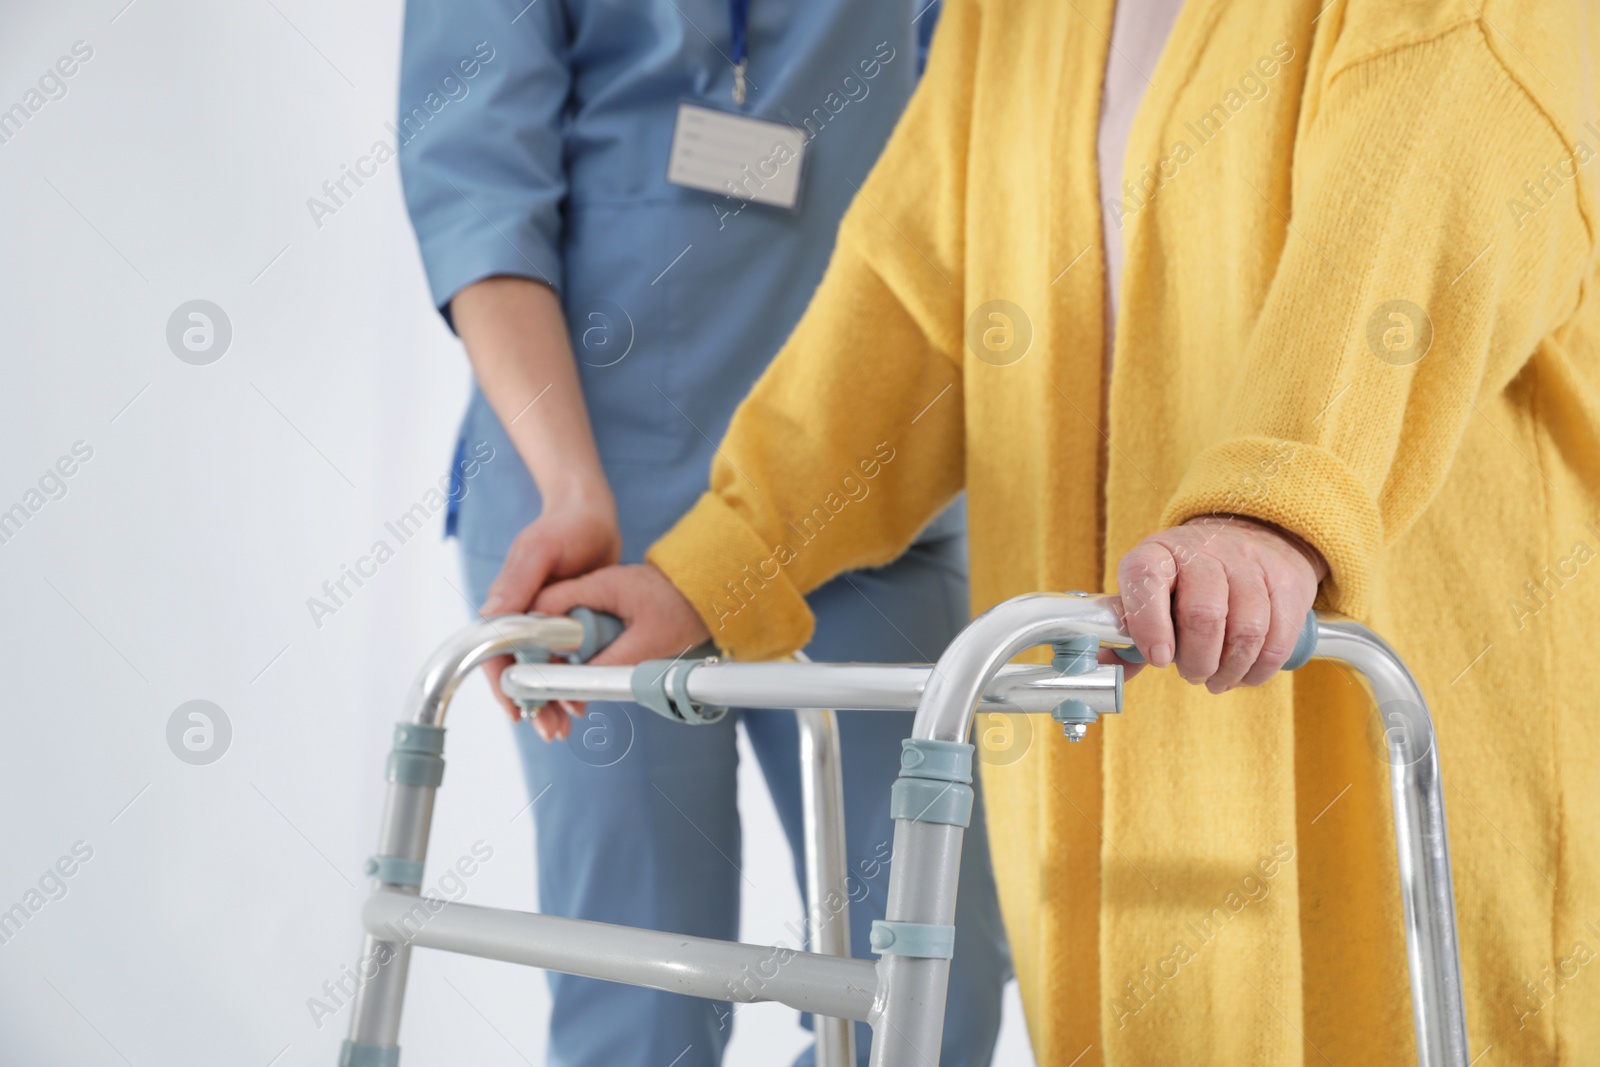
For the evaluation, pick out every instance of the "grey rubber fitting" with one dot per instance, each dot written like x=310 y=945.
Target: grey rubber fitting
x=354 y=1055
x=393 y=870
x=931 y=800
x=662 y=685
x=925 y=940
x=415 y=758
x=599 y=630
x=948 y=761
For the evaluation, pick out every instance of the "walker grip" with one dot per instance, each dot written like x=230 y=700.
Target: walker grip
x=599 y=630
x=1304 y=648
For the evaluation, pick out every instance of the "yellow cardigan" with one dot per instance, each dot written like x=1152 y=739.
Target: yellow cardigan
x=1357 y=303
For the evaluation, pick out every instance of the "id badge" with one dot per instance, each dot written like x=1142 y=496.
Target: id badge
x=755 y=160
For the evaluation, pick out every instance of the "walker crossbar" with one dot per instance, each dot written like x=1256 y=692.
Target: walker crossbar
x=694 y=966
x=902 y=995
x=841 y=686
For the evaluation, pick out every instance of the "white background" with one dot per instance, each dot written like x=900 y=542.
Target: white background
x=218 y=499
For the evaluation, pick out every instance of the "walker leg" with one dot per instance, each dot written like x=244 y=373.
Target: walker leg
x=1438 y=1001
x=932 y=806
x=374 y=1039
x=827 y=866
x=416 y=766
x=415 y=769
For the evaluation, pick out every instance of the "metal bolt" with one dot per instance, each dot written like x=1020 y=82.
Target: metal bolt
x=1074 y=731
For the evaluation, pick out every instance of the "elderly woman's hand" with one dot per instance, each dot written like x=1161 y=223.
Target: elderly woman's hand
x=1224 y=597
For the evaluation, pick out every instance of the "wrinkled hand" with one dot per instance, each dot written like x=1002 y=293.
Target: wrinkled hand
x=1229 y=594
x=569 y=539
x=660 y=621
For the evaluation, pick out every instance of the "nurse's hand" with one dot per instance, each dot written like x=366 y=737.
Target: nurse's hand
x=1229 y=593
x=573 y=536
x=660 y=621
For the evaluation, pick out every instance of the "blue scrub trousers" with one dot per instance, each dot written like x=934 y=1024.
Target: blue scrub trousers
x=636 y=822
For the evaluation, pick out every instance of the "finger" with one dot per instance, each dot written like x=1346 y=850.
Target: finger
x=523 y=574
x=1201 y=611
x=492 y=670
x=551 y=723
x=1288 y=618
x=1249 y=618
x=1145 y=577
x=597 y=590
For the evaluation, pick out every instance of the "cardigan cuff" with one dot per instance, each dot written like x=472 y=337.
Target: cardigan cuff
x=735 y=581
x=1303 y=488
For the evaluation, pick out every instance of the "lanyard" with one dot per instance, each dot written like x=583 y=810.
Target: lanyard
x=739 y=14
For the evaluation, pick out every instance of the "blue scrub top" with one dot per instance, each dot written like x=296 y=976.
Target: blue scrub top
x=534 y=141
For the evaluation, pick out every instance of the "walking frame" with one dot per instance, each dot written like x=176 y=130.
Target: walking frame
x=901 y=995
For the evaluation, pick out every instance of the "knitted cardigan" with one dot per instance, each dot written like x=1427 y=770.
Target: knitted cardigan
x=1356 y=304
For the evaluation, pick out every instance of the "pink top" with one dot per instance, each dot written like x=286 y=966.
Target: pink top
x=1138 y=34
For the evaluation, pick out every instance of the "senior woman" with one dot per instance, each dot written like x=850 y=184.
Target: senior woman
x=1356 y=318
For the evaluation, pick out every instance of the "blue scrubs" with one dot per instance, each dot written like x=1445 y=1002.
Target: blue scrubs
x=534 y=142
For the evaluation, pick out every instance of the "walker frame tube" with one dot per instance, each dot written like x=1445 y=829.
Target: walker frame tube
x=902 y=996
x=827 y=868
x=1015 y=689
x=675 y=963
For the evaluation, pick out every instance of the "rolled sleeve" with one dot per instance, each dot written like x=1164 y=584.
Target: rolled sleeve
x=723 y=566
x=1376 y=342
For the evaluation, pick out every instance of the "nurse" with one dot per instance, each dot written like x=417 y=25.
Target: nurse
x=623 y=209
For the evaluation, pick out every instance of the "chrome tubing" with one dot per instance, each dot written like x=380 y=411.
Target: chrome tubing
x=827 y=866
x=380 y=993
x=1438 y=1000
x=827 y=863
x=408 y=814
x=430 y=694
x=978 y=653
x=1016 y=688
x=675 y=963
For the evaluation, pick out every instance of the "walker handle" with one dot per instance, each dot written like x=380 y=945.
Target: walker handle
x=599 y=630
x=1304 y=648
